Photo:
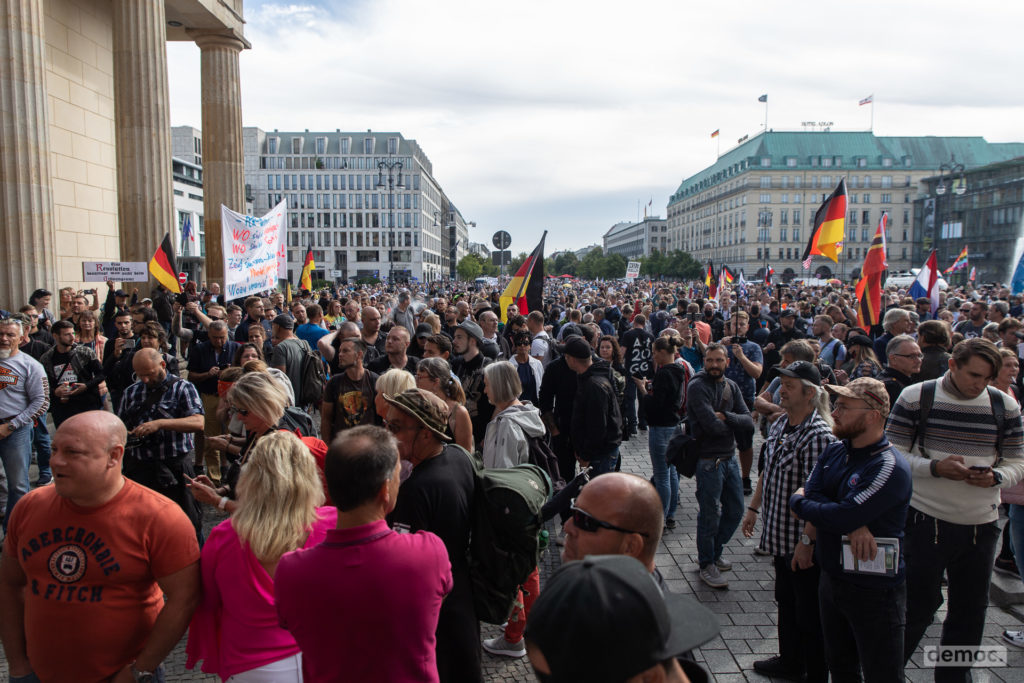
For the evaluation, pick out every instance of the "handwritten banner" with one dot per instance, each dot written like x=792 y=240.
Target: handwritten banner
x=254 y=251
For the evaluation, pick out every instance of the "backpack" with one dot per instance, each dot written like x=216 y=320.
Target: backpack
x=543 y=457
x=314 y=377
x=506 y=525
x=299 y=421
x=928 y=399
x=551 y=353
x=687 y=374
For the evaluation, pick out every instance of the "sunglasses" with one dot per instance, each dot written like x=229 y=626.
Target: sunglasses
x=584 y=521
x=243 y=413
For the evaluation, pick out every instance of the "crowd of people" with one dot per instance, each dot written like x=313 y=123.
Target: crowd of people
x=341 y=433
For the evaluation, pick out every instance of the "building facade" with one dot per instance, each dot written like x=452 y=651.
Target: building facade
x=352 y=194
x=86 y=170
x=755 y=205
x=635 y=240
x=987 y=217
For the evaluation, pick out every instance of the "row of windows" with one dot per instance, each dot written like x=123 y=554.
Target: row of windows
x=837 y=161
x=320 y=145
x=330 y=163
x=349 y=239
x=347 y=201
x=335 y=181
x=322 y=219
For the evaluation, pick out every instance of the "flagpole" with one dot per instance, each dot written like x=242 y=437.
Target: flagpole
x=872 y=127
x=718 y=146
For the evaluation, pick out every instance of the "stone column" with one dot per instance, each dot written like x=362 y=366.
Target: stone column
x=145 y=193
x=27 y=233
x=223 y=163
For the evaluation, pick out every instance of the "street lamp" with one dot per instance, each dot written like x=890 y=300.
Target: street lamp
x=390 y=165
x=764 y=225
x=954 y=171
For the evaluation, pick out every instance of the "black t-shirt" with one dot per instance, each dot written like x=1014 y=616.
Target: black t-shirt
x=353 y=401
x=637 y=345
x=383 y=364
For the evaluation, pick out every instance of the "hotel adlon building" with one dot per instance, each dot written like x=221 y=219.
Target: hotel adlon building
x=755 y=205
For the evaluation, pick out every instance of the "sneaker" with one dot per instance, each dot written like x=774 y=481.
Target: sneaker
x=723 y=564
x=1015 y=638
x=670 y=523
x=758 y=550
x=747 y=488
x=776 y=668
x=1006 y=566
x=711 y=576
x=500 y=646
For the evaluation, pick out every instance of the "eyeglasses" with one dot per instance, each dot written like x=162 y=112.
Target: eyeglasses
x=584 y=521
x=243 y=413
x=214 y=317
x=908 y=355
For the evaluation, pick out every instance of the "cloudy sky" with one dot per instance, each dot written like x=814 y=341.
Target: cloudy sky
x=564 y=115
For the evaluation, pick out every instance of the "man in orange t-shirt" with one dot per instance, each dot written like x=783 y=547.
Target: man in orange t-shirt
x=99 y=575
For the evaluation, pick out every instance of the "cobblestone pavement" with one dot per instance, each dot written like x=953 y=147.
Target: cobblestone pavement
x=746 y=610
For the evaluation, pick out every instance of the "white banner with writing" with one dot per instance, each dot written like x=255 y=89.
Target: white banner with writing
x=632 y=270
x=118 y=271
x=254 y=251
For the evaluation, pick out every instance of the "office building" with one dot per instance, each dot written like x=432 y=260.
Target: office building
x=756 y=203
x=636 y=240
x=349 y=195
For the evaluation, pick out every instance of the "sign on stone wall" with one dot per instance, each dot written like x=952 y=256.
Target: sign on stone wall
x=119 y=271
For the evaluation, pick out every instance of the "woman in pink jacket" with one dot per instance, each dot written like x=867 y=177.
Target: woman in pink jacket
x=235 y=630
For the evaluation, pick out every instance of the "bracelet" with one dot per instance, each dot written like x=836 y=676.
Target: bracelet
x=753 y=510
x=223 y=503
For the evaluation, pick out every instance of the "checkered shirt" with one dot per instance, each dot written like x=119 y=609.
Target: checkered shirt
x=789 y=458
x=179 y=400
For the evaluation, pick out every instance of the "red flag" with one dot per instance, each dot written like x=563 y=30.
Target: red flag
x=869 y=288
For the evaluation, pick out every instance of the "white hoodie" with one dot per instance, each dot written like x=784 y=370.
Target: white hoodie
x=505 y=442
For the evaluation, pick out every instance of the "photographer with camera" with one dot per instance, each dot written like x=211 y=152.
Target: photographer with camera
x=204 y=366
x=745 y=365
x=162 y=412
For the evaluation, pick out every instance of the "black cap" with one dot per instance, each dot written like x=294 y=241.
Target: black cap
x=424 y=330
x=789 y=312
x=120 y=292
x=604 y=618
x=801 y=369
x=284 y=322
x=577 y=347
x=859 y=340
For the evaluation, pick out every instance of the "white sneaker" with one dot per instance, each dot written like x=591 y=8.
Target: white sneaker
x=712 y=577
x=500 y=646
x=1015 y=638
x=758 y=550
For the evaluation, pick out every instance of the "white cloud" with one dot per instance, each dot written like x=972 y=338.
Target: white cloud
x=543 y=112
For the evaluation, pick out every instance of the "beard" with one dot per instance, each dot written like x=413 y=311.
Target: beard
x=848 y=431
x=5 y=354
x=713 y=372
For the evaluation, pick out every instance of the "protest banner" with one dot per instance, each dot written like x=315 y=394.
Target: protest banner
x=632 y=270
x=118 y=271
x=254 y=251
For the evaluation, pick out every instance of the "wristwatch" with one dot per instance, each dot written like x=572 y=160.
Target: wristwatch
x=997 y=478
x=806 y=540
x=142 y=676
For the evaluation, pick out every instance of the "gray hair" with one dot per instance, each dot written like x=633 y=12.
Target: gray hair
x=1000 y=306
x=217 y=326
x=13 y=322
x=893 y=316
x=503 y=379
x=896 y=342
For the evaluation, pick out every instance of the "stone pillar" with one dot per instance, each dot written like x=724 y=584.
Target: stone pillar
x=27 y=233
x=145 y=193
x=223 y=163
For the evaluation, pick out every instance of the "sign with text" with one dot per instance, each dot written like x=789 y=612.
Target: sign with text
x=632 y=270
x=119 y=271
x=254 y=251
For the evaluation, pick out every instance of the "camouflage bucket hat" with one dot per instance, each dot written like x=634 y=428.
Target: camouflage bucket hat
x=428 y=409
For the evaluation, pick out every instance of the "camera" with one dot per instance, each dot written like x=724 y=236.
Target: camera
x=740 y=340
x=90 y=291
x=128 y=345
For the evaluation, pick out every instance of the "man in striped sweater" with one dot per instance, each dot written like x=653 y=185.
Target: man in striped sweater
x=961 y=449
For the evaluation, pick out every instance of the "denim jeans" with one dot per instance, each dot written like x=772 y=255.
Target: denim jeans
x=863 y=629
x=605 y=464
x=801 y=645
x=1016 y=527
x=720 y=506
x=41 y=440
x=964 y=553
x=631 y=414
x=666 y=479
x=16 y=454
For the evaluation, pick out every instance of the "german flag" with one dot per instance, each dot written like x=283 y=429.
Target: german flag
x=306 y=278
x=869 y=287
x=526 y=289
x=829 y=227
x=163 y=266
x=768 y=275
x=728 y=275
x=711 y=281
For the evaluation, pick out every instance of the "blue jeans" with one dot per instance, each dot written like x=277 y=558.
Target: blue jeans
x=16 y=454
x=720 y=501
x=1016 y=523
x=666 y=479
x=41 y=440
x=605 y=464
x=629 y=403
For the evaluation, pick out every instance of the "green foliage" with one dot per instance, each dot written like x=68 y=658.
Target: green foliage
x=677 y=265
x=470 y=267
x=518 y=261
x=320 y=284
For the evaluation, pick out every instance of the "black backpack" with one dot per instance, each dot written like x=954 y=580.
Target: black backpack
x=297 y=420
x=543 y=457
x=314 y=377
x=505 y=544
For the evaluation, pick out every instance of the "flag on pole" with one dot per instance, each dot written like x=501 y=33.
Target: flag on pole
x=186 y=232
x=710 y=281
x=163 y=266
x=829 y=227
x=306 y=278
x=768 y=272
x=867 y=100
x=973 y=273
x=741 y=286
x=869 y=288
x=959 y=264
x=720 y=292
x=927 y=282
x=715 y=134
x=763 y=98
x=727 y=275
x=288 y=294
x=526 y=288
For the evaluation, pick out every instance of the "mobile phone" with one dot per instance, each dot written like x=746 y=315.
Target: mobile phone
x=693 y=318
x=980 y=468
x=739 y=340
x=128 y=345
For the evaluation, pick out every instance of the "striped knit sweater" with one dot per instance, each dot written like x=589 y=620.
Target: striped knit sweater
x=964 y=427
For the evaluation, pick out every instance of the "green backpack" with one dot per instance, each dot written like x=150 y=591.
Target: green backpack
x=505 y=542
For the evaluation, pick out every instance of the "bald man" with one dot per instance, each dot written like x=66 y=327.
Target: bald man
x=162 y=413
x=95 y=549
x=616 y=514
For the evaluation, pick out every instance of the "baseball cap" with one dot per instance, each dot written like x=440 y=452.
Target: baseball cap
x=801 y=369
x=429 y=410
x=285 y=322
x=788 y=313
x=472 y=329
x=424 y=330
x=120 y=292
x=867 y=389
x=859 y=340
x=604 y=619
x=576 y=346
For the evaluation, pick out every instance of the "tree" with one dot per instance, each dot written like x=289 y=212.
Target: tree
x=592 y=265
x=565 y=264
x=517 y=261
x=470 y=267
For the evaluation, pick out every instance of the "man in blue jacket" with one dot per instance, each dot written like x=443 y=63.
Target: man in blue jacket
x=859 y=489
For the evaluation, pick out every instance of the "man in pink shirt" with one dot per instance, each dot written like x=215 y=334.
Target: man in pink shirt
x=366 y=588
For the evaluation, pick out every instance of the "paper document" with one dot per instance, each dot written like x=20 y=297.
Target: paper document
x=885 y=562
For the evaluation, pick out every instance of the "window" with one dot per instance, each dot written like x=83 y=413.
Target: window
x=791 y=162
x=887 y=198
x=866 y=198
x=886 y=162
x=781 y=252
x=296 y=145
x=392 y=145
x=784 y=220
x=782 y=234
x=796 y=231
x=766 y=181
x=367 y=145
x=863 y=234
x=766 y=162
x=887 y=181
x=796 y=183
x=865 y=217
x=826 y=161
x=321 y=146
x=272 y=145
x=796 y=218
x=785 y=181
x=766 y=198
x=906 y=216
x=759 y=253
x=346 y=145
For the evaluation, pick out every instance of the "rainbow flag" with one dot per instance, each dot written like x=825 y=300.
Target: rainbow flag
x=959 y=264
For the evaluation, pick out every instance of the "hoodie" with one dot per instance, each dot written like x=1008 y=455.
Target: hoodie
x=596 y=418
x=505 y=442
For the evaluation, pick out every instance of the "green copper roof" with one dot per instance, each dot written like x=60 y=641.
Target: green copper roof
x=839 y=152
